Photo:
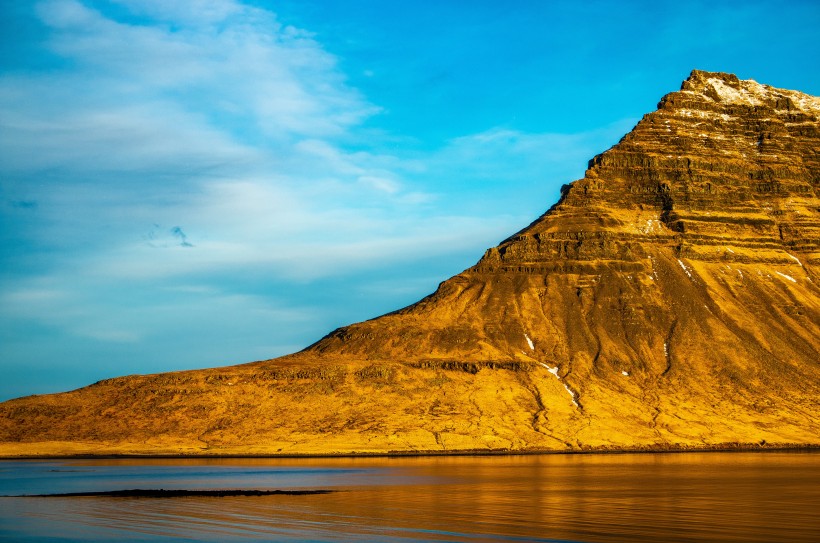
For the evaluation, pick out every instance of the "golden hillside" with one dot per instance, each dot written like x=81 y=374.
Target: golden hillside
x=670 y=299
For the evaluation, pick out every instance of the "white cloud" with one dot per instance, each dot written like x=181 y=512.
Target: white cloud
x=234 y=132
x=217 y=124
x=250 y=71
x=67 y=14
x=154 y=137
x=177 y=163
x=195 y=12
x=383 y=184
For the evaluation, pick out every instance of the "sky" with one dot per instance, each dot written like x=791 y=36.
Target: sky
x=198 y=183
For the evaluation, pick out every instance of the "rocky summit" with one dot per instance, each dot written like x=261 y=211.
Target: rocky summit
x=669 y=300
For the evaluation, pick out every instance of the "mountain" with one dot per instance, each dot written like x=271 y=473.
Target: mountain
x=669 y=300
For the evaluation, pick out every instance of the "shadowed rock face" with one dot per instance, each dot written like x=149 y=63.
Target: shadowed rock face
x=669 y=300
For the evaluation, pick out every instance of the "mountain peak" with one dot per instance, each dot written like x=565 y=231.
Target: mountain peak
x=670 y=299
x=728 y=89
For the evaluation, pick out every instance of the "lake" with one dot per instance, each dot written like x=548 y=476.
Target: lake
x=665 y=497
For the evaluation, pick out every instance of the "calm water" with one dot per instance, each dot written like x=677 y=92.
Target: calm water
x=592 y=498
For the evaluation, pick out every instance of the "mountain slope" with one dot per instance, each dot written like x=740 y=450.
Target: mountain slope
x=670 y=299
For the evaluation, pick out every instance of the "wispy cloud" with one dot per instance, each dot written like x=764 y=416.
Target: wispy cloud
x=192 y=169
x=165 y=112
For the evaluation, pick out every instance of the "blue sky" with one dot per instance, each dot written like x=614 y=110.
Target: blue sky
x=196 y=183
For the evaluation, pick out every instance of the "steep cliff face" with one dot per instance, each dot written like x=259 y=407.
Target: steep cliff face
x=701 y=224
x=669 y=299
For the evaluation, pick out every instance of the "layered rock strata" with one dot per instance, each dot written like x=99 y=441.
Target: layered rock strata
x=670 y=299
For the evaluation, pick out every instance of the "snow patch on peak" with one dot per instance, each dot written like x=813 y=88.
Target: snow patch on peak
x=572 y=395
x=728 y=89
x=682 y=265
x=650 y=226
x=529 y=342
x=806 y=102
x=795 y=259
x=750 y=92
x=554 y=371
x=789 y=277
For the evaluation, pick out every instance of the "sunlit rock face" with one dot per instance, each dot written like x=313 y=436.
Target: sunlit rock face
x=670 y=299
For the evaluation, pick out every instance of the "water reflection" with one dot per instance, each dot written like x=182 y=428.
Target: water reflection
x=602 y=498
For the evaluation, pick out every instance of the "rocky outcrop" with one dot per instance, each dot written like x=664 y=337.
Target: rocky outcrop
x=670 y=299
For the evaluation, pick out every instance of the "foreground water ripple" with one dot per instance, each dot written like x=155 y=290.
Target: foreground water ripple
x=692 y=497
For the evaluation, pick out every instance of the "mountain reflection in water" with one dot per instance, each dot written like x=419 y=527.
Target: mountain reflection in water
x=744 y=496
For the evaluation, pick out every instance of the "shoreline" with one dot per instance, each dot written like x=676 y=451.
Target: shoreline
x=725 y=447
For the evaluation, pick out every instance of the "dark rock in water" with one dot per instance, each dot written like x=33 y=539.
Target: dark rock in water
x=162 y=493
